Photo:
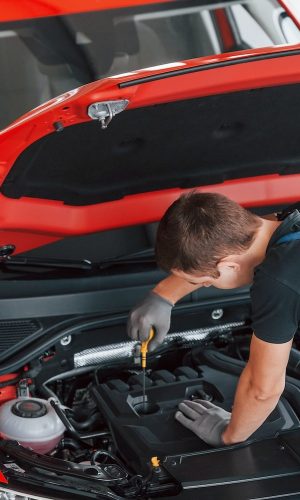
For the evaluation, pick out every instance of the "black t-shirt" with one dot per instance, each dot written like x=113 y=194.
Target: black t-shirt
x=275 y=293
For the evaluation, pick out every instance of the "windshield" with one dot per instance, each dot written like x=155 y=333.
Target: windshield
x=44 y=57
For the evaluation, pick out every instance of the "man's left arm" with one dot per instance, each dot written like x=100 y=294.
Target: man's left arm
x=259 y=389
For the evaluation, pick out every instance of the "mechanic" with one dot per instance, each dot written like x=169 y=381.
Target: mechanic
x=209 y=240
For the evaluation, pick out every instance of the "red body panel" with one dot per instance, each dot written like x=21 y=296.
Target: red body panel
x=8 y=392
x=29 y=9
x=26 y=219
x=225 y=29
x=3 y=479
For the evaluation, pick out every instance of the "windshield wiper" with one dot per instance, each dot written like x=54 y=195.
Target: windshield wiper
x=141 y=257
x=53 y=263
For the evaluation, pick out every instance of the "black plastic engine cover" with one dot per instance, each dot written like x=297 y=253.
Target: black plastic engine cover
x=139 y=436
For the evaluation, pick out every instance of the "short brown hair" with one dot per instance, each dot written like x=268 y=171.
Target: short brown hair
x=199 y=229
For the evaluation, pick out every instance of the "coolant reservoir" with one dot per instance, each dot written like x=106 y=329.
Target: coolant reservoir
x=32 y=422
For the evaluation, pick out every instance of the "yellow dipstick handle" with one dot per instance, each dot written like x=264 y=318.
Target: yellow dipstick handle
x=144 y=347
x=155 y=462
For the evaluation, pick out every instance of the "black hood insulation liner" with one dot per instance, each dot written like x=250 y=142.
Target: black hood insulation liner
x=180 y=144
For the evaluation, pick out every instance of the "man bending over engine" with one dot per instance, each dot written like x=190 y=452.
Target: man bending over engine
x=209 y=240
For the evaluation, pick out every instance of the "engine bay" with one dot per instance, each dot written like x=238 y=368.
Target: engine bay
x=109 y=436
x=140 y=434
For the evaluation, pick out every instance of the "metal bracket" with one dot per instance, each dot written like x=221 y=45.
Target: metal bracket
x=23 y=389
x=105 y=111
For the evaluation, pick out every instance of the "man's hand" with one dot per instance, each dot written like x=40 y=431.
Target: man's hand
x=153 y=311
x=205 y=419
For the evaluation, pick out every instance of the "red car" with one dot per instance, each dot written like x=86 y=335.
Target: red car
x=84 y=179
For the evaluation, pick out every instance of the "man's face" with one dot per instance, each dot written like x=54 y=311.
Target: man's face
x=231 y=275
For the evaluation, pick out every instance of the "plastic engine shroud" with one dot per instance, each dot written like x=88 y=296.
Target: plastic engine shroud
x=139 y=436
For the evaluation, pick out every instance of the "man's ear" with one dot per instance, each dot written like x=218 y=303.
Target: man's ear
x=229 y=263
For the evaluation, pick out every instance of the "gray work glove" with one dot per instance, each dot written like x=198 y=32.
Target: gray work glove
x=153 y=311
x=205 y=419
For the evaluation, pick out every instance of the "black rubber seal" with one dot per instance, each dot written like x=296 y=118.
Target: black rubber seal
x=205 y=67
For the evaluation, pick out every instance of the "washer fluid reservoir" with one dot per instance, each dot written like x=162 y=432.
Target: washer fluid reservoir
x=32 y=422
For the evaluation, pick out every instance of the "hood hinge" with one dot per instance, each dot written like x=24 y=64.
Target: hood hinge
x=106 y=110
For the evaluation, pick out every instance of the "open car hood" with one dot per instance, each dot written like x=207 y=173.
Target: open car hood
x=119 y=151
x=74 y=166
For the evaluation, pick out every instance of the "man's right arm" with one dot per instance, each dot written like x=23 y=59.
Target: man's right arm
x=155 y=310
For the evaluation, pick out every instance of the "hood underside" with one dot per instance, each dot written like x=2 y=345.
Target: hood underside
x=179 y=144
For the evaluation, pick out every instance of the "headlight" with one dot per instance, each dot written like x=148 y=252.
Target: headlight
x=6 y=494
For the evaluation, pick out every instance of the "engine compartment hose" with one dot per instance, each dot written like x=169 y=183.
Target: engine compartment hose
x=85 y=423
x=70 y=428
